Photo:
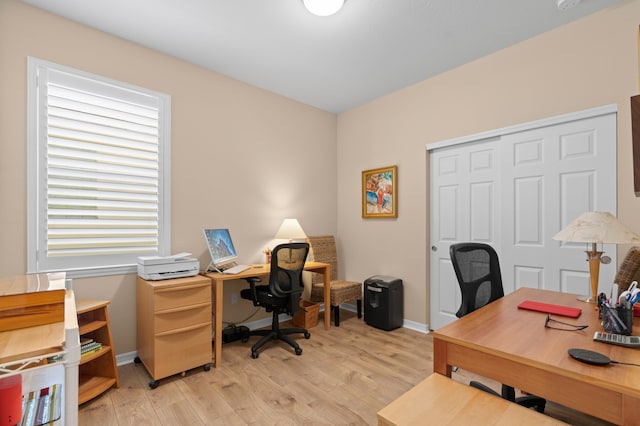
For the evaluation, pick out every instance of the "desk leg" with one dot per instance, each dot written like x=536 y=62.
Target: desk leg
x=440 y=364
x=217 y=321
x=327 y=297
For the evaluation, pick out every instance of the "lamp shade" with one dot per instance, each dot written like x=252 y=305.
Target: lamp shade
x=323 y=7
x=290 y=230
x=597 y=227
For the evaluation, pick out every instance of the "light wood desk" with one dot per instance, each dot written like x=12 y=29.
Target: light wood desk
x=512 y=346
x=438 y=400
x=218 y=279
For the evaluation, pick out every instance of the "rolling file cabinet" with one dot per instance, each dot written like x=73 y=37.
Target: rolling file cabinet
x=174 y=325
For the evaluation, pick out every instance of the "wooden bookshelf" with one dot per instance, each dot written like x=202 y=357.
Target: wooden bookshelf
x=98 y=371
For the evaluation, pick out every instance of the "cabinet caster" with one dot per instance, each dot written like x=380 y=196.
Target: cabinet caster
x=254 y=354
x=207 y=367
x=153 y=384
x=298 y=351
x=137 y=360
x=183 y=374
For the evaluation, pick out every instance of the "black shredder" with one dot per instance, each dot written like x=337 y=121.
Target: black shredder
x=383 y=302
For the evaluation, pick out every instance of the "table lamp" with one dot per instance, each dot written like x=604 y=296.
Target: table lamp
x=290 y=230
x=596 y=228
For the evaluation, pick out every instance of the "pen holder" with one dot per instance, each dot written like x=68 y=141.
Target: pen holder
x=617 y=320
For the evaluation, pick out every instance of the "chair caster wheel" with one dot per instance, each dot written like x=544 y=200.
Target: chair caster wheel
x=254 y=354
x=207 y=367
x=298 y=351
x=245 y=340
x=307 y=335
x=153 y=384
x=137 y=360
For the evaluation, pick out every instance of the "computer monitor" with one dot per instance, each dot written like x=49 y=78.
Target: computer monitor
x=223 y=253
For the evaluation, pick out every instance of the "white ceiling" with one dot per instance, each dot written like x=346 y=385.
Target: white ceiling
x=368 y=49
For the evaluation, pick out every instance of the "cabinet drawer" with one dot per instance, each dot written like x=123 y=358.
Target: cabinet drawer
x=184 y=295
x=181 y=351
x=181 y=317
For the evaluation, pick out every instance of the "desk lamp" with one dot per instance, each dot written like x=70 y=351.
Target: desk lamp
x=290 y=230
x=596 y=228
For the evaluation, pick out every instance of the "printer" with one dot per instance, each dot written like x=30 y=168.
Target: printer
x=167 y=267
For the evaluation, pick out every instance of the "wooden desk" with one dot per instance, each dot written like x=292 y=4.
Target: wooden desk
x=512 y=346
x=218 y=279
x=438 y=400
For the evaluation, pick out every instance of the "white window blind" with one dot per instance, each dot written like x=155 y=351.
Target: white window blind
x=100 y=168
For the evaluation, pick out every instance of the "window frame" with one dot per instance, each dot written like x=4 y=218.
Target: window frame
x=37 y=144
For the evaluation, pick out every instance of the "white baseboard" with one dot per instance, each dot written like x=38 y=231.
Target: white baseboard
x=127 y=358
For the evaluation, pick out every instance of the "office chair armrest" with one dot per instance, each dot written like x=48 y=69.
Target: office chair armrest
x=531 y=401
x=252 y=283
x=484 y=388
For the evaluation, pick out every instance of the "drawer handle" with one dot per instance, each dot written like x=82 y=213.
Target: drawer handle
x=184 y=308
x=182 y=287
x=183 y=329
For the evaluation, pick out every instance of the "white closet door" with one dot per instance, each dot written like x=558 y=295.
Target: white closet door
x=515 y=188
x=464 y=197
x=551 y=175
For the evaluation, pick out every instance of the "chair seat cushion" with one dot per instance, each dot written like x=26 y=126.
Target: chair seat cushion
x=340 y=291
x=264 y=297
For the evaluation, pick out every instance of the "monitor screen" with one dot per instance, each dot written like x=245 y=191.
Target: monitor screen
x=220 y=246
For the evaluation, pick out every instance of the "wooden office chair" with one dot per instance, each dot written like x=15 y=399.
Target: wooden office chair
x=629 y=269
x=282 y=295
x=323 y=249
x=478 y=272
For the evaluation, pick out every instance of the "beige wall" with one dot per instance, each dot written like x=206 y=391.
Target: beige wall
x=242 y=158
x=589 y=63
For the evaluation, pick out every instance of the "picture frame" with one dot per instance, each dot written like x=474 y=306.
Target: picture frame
x=380 y=192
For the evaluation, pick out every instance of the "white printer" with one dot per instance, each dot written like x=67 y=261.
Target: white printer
x=166 y=267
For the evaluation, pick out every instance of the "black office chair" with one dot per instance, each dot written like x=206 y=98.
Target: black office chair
x=282 y=295
x=478 y=271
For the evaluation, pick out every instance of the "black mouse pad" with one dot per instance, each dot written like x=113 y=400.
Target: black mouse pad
x=590 y=357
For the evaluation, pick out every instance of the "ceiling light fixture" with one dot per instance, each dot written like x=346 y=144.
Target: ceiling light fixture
x=566 y=4
x=323 y=7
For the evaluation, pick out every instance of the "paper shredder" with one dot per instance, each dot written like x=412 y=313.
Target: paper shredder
x=383 y=302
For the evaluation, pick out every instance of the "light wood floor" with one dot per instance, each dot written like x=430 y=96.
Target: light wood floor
x=343 y=377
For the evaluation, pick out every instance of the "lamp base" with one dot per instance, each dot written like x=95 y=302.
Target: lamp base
x=587 y=299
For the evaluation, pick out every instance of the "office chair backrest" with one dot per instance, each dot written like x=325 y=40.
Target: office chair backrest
x=285 y=278
x=478 y=271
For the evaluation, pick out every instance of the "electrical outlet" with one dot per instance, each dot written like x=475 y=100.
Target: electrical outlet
x=234 y=298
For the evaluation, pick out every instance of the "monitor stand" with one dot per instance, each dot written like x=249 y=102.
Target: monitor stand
x=220 y=269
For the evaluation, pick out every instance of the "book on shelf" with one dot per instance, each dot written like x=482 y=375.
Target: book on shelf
x=85 y=340
x=41 y=406
x=90 y=352
x=90 y=347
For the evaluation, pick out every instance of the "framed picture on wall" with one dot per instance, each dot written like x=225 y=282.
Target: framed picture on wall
x=379 y=192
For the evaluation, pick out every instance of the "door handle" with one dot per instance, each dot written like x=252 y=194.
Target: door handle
x=434 y=248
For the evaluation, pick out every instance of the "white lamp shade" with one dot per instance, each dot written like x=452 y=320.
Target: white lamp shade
x=290 y=230
x=597 y=227
x=323 y=7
